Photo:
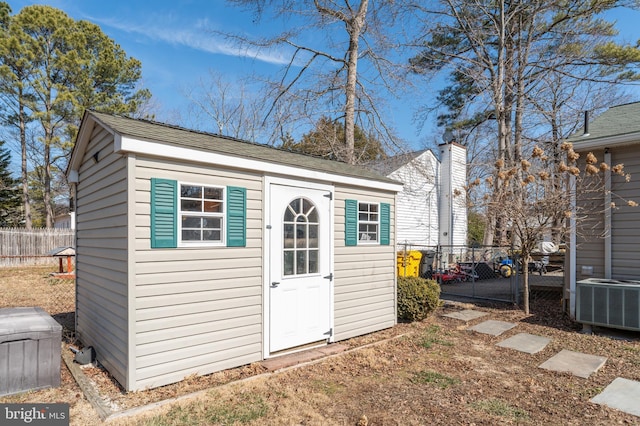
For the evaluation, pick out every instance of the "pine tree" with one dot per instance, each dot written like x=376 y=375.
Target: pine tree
x=52 y=68
x=327 y=140
x=10 y=213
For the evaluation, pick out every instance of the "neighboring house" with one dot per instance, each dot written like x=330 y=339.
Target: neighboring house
x=432 y=204
x=198 y=253
x=65 y=221
x=604 y=266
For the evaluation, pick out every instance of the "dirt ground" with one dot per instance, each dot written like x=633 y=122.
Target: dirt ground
x=430 y=372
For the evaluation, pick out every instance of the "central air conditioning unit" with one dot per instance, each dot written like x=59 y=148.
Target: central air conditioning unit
x=608 y=303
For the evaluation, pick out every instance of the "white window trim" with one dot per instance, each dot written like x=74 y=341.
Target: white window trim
x=222 y=215
x=377 y=223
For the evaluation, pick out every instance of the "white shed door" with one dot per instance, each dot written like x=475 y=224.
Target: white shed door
x=300 y=281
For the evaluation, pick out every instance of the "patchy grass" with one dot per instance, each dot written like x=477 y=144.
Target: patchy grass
x=328 y=388
x=435 y=378
x=500 y=408
x=243 y=409
x=432 y=337
x=35 y=287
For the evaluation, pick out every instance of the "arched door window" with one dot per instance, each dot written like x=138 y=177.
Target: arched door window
x=300 y=242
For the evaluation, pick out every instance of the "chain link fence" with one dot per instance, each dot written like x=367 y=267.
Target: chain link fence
x=491 y=273
x=31 y=276
x=62 y=305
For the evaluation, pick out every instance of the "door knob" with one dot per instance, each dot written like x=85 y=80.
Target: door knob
x=275 y=284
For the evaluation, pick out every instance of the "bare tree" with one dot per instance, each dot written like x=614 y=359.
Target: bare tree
x=336 y=66
x=538 y=205
x=232 y=107
x=503 y=53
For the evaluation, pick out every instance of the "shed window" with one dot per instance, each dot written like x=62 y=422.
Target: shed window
x=188 y=215
x=367 y=223
x=201 y=213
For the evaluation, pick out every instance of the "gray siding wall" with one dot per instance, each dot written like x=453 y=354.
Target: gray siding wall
x=625 y=233
x=589 y=228
x=625 y=220
x=101 y=263
x=365 y=283
x=197 y=310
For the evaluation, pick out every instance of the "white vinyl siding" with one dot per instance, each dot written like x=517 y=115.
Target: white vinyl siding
x=417 y=204
x=453 y=208
x=102 y=256
x=364 y=283
x=198 y=309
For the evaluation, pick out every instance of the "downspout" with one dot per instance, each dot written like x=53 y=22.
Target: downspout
x=572 y=249
x=450 y=197
x=607 y=215
x=439 y=197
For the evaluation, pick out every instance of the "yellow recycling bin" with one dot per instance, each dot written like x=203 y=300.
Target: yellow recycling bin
x=409 y=263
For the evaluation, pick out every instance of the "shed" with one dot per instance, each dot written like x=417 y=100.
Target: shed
x=432 y=208
x=605 y=261
x=197 y=253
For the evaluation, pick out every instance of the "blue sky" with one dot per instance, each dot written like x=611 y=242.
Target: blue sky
x=175 y=42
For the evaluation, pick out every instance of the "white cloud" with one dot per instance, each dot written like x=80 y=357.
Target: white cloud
x=198 y=36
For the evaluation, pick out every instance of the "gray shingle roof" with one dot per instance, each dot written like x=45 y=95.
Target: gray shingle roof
x=391 y=164
x=181 y=137
x=616 y=121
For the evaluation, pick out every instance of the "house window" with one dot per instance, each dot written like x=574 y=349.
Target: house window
x=368 y=222
x=202 y=211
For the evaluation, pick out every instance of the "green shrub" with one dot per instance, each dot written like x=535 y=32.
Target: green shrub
x=417 y=298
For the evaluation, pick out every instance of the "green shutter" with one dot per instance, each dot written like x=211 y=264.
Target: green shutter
x=350 y=222
x=236 y=216
x=385 y=223
x=164 y=214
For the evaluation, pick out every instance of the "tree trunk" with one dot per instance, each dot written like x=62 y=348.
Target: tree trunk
x=354 y=28
x=23 y=168
x=489 y=231
x=48 y=205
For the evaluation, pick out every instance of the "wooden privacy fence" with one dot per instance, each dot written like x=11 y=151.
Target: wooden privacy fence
x=22 y=247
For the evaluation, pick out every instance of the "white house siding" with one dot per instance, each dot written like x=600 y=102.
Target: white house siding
x=197 y=310
x=453 y=209
x=364 y=285
x=417 y=204
x=101 y=263
x=625 y=232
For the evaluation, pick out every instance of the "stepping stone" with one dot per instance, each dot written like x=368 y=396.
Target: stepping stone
x=621 y=394
x=493 y=327
x=466 y=315
x=576 y=363
x=525 y=342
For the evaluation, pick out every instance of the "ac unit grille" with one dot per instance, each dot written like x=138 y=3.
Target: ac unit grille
x=609 y=304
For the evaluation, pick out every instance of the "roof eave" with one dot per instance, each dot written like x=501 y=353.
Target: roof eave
x=87 y=125
x=134 y=145
x=606 y=141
